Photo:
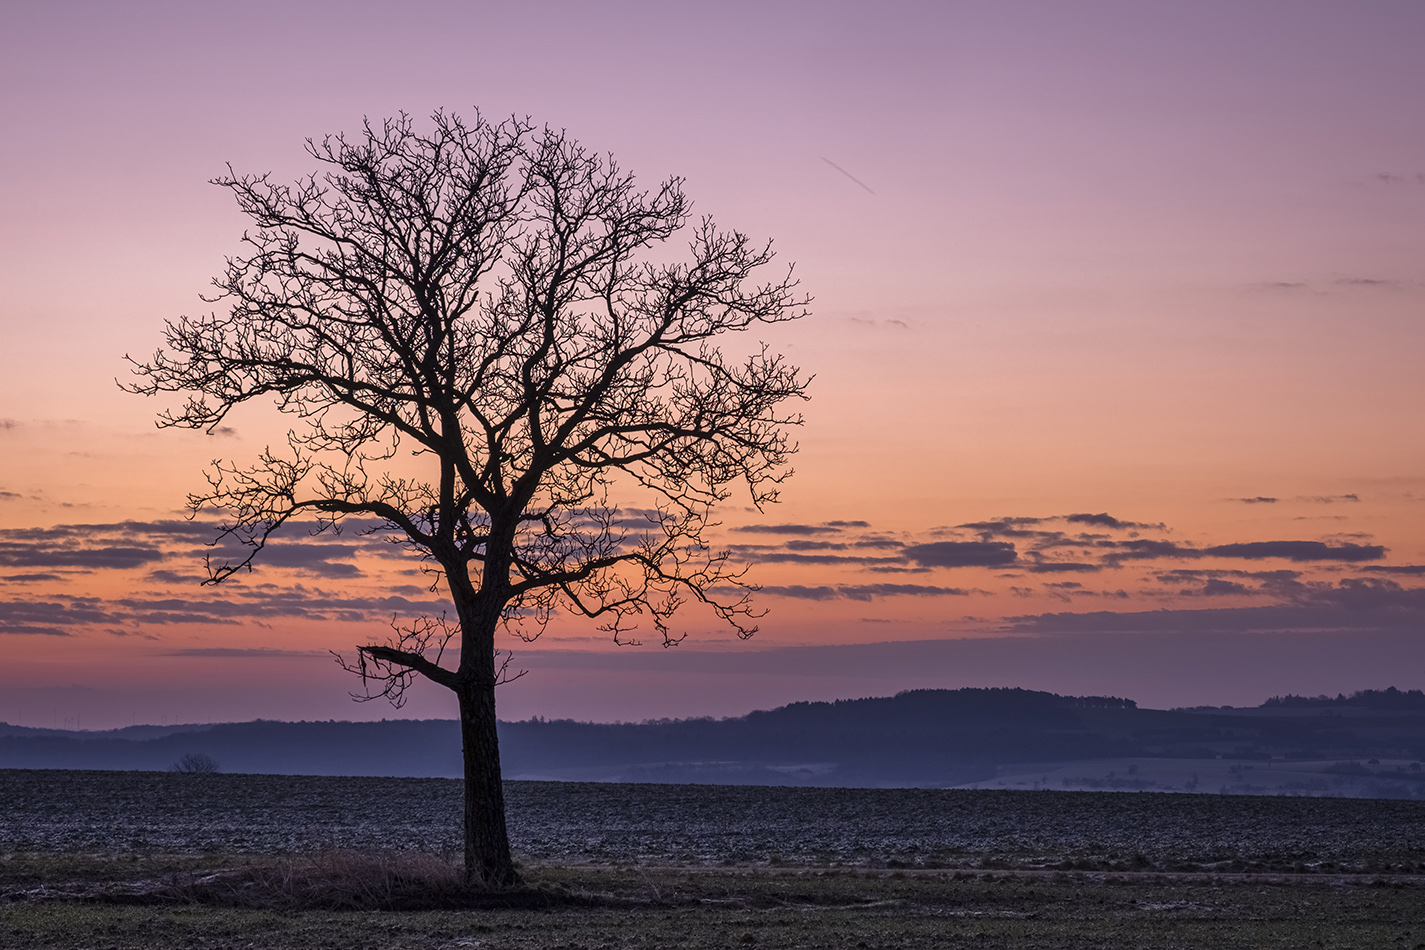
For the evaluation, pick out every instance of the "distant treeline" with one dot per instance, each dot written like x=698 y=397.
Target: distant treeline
x=1388 y=698
x=926 y=737
x=959 y=701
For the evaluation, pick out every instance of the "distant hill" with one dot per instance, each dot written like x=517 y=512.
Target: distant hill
x=921 y=737
x=1370 y=743
x=399 y=747
x=127 y=732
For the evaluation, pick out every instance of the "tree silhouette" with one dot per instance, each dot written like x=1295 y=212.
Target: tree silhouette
x=195 y=763
x=498 y=300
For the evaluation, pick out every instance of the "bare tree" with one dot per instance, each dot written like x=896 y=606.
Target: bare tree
x=195 y=763
x=499 y=300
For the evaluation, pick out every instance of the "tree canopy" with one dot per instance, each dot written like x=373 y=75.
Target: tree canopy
x=486 y=349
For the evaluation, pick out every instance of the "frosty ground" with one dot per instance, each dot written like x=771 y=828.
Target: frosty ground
x=153 y=859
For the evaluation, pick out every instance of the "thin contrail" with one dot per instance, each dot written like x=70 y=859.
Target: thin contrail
x=848 y=174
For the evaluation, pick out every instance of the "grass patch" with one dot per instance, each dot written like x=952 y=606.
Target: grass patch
x=338 y=880
x=701 y=909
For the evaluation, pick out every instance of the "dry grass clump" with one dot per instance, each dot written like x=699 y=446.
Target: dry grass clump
x=343 y=880
x=348 y=880
x=332 y=880
x=335 y=880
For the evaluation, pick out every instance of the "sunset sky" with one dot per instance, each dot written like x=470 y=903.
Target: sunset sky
x=1118 y=324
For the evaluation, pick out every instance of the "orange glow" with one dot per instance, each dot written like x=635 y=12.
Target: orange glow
x=1150 y=264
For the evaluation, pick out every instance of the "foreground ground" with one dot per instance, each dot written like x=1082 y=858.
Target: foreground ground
x=745 y=908
x=580 y=823
x=129 y=860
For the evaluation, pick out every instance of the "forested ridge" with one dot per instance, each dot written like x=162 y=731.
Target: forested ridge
x=919 y=737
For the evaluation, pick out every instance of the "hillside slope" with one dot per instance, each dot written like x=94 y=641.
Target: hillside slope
x=921 y=738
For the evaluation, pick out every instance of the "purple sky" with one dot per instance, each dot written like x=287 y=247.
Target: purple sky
x=1149 y=260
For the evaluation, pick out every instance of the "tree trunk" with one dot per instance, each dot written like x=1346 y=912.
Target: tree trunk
x=487 y=843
